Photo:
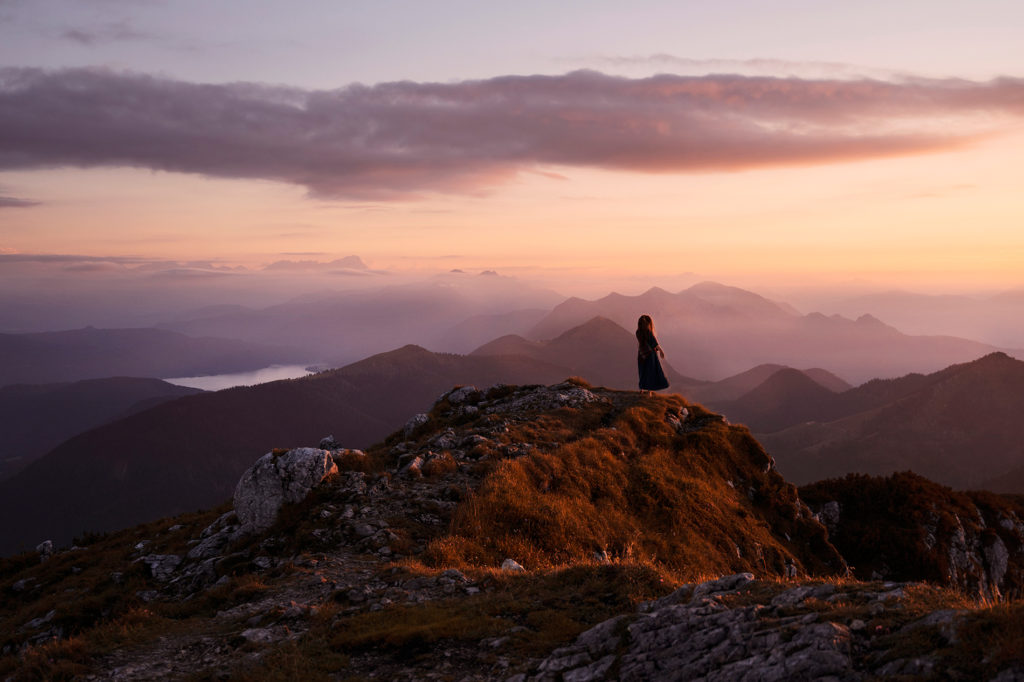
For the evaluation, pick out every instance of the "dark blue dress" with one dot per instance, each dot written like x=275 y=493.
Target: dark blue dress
x=652 y=376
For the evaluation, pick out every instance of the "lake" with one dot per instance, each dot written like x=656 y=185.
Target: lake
x=216 y=382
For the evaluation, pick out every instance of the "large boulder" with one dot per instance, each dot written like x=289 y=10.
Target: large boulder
x=278 y=478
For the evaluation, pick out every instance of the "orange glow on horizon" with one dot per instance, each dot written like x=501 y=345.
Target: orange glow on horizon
x=953 y=217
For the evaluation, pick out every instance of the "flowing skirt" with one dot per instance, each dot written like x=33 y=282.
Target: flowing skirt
x=652 y=376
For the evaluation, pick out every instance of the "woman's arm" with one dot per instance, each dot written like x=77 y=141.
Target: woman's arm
x=657 y=347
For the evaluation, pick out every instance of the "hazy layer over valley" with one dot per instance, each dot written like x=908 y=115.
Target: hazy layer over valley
x=334 y=313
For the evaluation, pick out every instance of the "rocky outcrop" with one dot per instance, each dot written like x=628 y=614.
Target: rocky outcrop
x=905 y=527
x=717 y=631
x=566 y=394
x=278 y=478
x=161 y=566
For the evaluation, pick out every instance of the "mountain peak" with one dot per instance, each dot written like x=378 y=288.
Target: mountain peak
x=710 y=287
x=655 y=291
x=996 y=358
x=596 y=323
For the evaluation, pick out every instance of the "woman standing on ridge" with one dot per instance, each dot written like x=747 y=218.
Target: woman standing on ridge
x=652 y=376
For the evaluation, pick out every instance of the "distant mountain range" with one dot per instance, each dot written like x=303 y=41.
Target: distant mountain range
x=960 y=426
x=996 y=319
x=712 y=331
x=35 y=418
x=53 y=357
x=786 y=397
x=479 y=330
x=453 y=313
x=599 y=350
x=731 y=388
x=709 y=331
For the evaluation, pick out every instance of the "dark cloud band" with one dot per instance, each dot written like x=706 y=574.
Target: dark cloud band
x=400 y=139
x=14 y=202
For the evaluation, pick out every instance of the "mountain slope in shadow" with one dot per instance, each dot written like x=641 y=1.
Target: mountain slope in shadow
x=52 y=357
x=35 y=418
x=959 y=427
x=787 y=397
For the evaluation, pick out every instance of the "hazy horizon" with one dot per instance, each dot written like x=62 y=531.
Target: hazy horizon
x=56 y=293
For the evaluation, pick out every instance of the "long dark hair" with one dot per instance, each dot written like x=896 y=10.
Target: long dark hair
x=644 y=324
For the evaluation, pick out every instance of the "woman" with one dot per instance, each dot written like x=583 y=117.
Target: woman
x=652 y=376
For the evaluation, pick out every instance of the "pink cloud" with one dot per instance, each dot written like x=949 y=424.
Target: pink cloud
x=401 y=139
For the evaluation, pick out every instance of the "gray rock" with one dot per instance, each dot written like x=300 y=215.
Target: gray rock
x=565 y=659
x=276 y=479
x=198 y=575
x=147 y=595
x=446 y=440
x=472 y=440
x=263 y=635
x=997 y=560
x=363 y=530
x=162 y=566
x=338 y=454
x=945 y=620
x=37 y=623
x=215 y=544
x=511 y=565
x=915 y=668
x=453 y=575
x=596 y=639
x=226 y=519
x=543 y=398
x=798 y=595
x=413 y=469
x=22 y=585
x=352 y=482
x=461 y=395
x=729 y=583
x=45 y=549
x=1012 y=674
x=414 y=423
x=829 y=516
x=516 y=450
x=703 y=639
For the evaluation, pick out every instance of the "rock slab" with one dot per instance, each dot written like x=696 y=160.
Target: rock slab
x=692 y=635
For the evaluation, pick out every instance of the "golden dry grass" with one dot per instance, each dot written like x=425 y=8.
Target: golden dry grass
x=619 y=480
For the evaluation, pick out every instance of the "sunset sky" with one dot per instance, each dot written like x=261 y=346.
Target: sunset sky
x=588 y=145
